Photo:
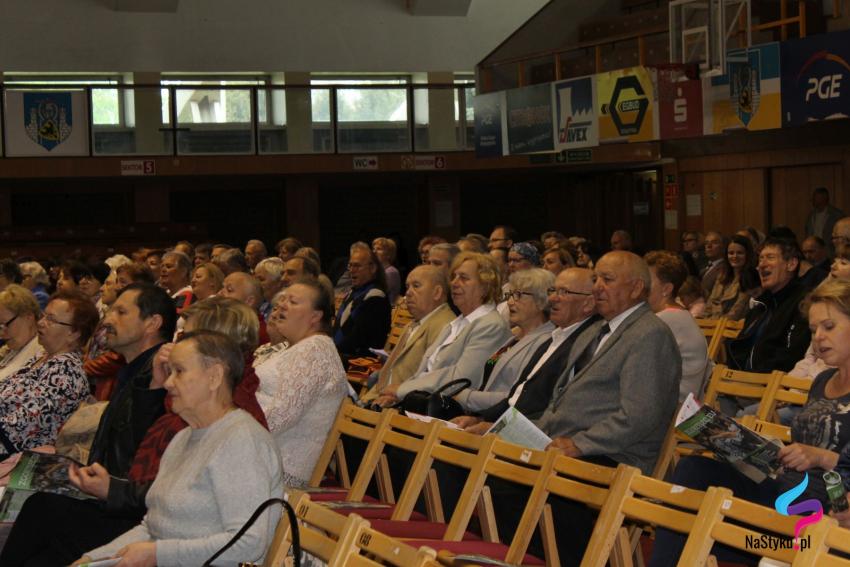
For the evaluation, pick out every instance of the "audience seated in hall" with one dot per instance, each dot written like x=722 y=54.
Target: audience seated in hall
x=10 y=273
x=363 y=319
x=203 y=254
x=736 y=282
x=287 y=248
x=668 y=272
x=175 y=275
x=692 y=297
x=775 y=334
x=207 y=280
x=37 y=399
x=557 y=259
x=426 y=299
x=386 y=250
x=715 y=255
x=244 y=287
x=303 y=385
x=528 y=306
x=19 y=313
x=425 y=244
x=269 y=272
x=816 y=255
x=255 y=252
x=35 y=279
x=465 y=344
x=231 y=261
x=819 y=432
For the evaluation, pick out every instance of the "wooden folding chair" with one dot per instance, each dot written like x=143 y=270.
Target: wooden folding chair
x=786 y=390
x=737 y=383
x=403 y=433
x=373 y=548
x=735 y=523
x=399 y=320
x=825 y=536
x=358 y=423
x=323 y=533
x=514 y=464
x=767 y=428
x=646 y=501
x=712 y=329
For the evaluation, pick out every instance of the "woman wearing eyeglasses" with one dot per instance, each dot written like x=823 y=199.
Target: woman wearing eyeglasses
x=528 y=308
x=36 y=400
x=19 y=313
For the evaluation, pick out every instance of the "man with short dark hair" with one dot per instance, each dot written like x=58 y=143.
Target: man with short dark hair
x=255 y=252
x=502 y=238
x=298 y=267
x=715 y=250
x=621 y=240
x=823 y=216
x=776 y=334
x=816 y=254
x=10 y=273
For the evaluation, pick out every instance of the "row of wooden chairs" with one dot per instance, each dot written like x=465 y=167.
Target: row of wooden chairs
x=717 y=331
x=627 y=501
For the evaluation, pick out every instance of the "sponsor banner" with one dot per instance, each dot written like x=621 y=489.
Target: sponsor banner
x=488 y=124
x=46 y=123
x=627 y=106
x=815 y=73
x=575 y=115
x=529 y=117
x=679 y=101
x=748 y=95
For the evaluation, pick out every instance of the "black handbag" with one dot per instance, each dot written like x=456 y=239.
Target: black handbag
x=437 y=404
x=293 y=522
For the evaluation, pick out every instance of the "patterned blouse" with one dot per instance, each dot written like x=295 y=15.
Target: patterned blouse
x=37 y=400
x=823 y=422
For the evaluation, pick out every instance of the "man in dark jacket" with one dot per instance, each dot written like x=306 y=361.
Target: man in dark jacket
x=363 y=319
x=776 y=334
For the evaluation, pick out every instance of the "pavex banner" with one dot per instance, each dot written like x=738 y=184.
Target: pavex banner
x=679 y=92
x=815 y=71
x=575 y=114
x=748 y=95
x=46 y=123
x=627 y=106
x=529 y=116
x=488 y=124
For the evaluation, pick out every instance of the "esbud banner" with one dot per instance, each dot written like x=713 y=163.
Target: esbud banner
x=815 y=73
x=627 y=105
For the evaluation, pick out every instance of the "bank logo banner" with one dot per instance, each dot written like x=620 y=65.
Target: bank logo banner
x=815 y=71
x=575 y=117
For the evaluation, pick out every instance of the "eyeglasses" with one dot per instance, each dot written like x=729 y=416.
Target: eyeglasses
x=563 y=292
x=516 y=294
x=54 y=321
x=4 y=326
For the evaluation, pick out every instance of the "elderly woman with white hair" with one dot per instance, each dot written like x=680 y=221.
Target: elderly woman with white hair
x=528 y=306
x=36 y=280
x=269 y=272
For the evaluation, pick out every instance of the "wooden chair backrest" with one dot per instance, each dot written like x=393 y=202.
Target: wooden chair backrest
x=352 y=421
x=767 y=428
x=725 y=381
x=825 y=536
x=644 y=500
x=371 y=547
x=736 y=522
x=323 y=533
x=712 y=329
x=785 y=389
x=401 y=317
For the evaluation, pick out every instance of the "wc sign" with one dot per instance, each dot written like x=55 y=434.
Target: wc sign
x=815 y=76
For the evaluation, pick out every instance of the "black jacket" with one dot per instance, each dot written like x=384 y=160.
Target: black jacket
x=775 y=335
x=366 y=327
x=132 y=409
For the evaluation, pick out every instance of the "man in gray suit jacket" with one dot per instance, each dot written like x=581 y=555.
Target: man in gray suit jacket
x=619 y=390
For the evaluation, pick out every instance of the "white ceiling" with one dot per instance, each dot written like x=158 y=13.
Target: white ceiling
x=251 y=35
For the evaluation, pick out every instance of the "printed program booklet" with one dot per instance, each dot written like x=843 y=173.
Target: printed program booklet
x=37 y=472
x=755 y=456
x=514 y=427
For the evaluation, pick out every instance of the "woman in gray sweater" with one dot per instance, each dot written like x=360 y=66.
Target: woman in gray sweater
x=213 y=473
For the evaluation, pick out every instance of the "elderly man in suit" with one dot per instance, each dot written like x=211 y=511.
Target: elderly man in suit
x=468 y=341
x=426 y=299
x=617 y=394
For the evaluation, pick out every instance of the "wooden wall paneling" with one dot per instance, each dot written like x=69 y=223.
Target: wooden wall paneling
x=791 y=193
x=732 y=199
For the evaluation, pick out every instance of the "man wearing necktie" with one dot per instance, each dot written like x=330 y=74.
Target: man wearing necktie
x=618 y=391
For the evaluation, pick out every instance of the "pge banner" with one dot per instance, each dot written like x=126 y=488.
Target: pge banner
x=748 y=95
x=575 y=114
x=530 y=119
x=488 y=124
x=679 y=101
x=46 y=123
x=627 y=106
x=814 y=72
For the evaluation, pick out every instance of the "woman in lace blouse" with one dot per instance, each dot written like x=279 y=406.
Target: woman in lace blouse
x=36 y=400
x=302 y=387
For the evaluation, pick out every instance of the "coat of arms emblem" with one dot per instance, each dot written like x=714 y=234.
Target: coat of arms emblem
x=745 y=86
x=48 y=118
